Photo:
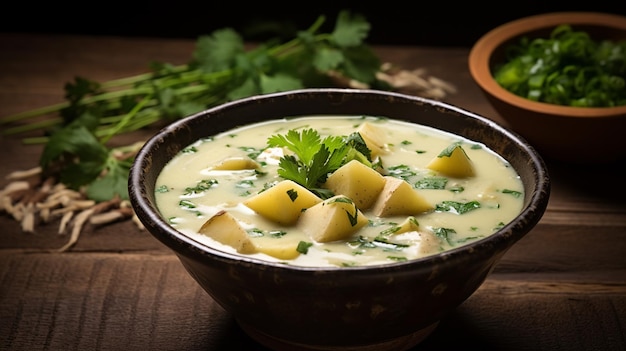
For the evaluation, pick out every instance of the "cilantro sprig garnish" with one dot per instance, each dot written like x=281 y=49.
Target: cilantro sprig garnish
x=312 y=158
x=221 y=69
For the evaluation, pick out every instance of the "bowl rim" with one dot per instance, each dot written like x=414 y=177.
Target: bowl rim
x=168 y=235
x=480 y=56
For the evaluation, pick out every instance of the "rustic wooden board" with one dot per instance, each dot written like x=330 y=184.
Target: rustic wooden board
x=562 y=287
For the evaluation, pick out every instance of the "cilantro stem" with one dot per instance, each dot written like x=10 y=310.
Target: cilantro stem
x=296 y=41
x=140 y=77
x=34 y=113
x=115 y=95
x=35 y=140
x=286 y=47
x=111 y=96
x=120 y=126
x=32 y=126
x=115 y=119
x=112 y=103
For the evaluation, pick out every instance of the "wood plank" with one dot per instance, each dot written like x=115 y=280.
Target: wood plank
x=498 y=320
x=561 y=287
x=148 y=301
x=569 y=248
x=103 y=301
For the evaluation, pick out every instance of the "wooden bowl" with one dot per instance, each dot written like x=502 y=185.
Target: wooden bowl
x=366 y=308
x=581 y=135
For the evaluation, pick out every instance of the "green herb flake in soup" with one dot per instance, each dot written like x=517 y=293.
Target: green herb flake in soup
x=338 y=191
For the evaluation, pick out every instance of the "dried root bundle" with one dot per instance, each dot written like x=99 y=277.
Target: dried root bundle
x=32 y=200
x=416 y=82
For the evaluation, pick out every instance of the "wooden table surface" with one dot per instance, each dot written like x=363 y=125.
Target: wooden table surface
x=562 y=287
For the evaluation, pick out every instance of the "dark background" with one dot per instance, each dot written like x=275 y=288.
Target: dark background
x=432 y=23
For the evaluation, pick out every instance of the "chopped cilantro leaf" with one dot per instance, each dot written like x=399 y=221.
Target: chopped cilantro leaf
x=201 y=186
x=303 y=247
x=444 y=233
x=186 y=204
x=162 y=189
x=293 y=195
x=432 y=183
x=401 y=171
x=515 y=193
x=457 y=207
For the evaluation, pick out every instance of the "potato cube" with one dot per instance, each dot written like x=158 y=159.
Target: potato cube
x=283 y=248
x=410 y=224
x=453 y=162
x=399 y=198
x=283 y=203
x=236 y=164
x=373 y=137
x=224 y=228
x=333 y=219
x=358 y=182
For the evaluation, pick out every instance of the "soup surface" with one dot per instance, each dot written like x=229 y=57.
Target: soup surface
x=224 y=173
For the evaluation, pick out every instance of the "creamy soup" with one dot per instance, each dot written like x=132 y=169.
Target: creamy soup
x=435 y=199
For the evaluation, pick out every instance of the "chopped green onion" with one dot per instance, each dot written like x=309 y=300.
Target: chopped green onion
x=569 y=68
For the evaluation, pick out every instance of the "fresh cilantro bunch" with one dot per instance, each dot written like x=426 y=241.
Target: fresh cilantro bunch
x=312 y=158
x=77 y=150
x=304 y=61
x=78 y=159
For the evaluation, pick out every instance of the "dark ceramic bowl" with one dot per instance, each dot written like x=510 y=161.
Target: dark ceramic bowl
x=578 y=135
x=387 y=307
